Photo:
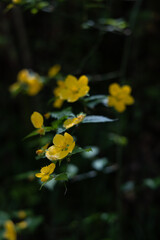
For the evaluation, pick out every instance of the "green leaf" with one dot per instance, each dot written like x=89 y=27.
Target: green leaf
x=79 y=150
x=61 y=177
x=94 y=100
x=117 y=139
x=61 y=130
x=97 y=119
x=48 y=129
x=94 y=97
x=67 y=112
x=150 y=183
x=34 y=133
x=26 y=175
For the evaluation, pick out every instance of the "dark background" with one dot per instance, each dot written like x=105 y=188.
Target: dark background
x=124 y=202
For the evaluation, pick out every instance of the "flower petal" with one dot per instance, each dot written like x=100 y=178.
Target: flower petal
x=120 y=106
x=126 y=89
x=71 y=81
x=51 y=152
x=39 y=175
x=64 y=93
x=68 y=138
x=59 y=140
x=61 y=154
x=129 y=100
x=37 y=120
x=83 y=80
x=73 y=97
x=69 y=123
x=83 y=91
x=111 y=101
x=51 y=168
x=45 y=178
x=114 y=89
x=71 y=147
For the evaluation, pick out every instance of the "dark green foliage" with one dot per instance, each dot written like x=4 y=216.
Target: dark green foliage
x=109 y=41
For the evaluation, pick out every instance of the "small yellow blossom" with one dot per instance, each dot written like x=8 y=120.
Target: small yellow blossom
x=42 y=150
x=46 y=172
x=74 y=88
x=120 y=97
x=63 y=145
x=9 y=6
x=21 y=214
x=31 y=80
x=16 y=1
x=23 y=76
x=10 y=232
x=58 y=102
x=22 y=224
x=47 y=115
x=34 y=85
x=73 y=121
x=54 y=70
x=37 y=121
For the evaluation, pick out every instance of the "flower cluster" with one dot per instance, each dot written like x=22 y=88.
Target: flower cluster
x=119 y=97
x=71 y=89
x=28 y=81
x=62 y=145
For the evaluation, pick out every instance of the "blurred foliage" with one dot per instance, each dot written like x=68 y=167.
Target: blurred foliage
x=113 y=192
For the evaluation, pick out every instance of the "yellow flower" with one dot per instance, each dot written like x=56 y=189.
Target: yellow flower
x=23 y=76
x=37 y=121
x=42 y=150
x=34 y=85
x=10 y=232
x=63 y=145
x=47 y=115
x=54 y=70
x=16 y=1
x=58 y=102
x=74 y=88
x=73 y=121
x=21 y=214
x=46 y=172
x=120 y=97
x=31 y=80
x=22 y=225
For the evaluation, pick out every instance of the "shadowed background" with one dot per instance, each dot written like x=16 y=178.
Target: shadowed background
x=121 y=201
